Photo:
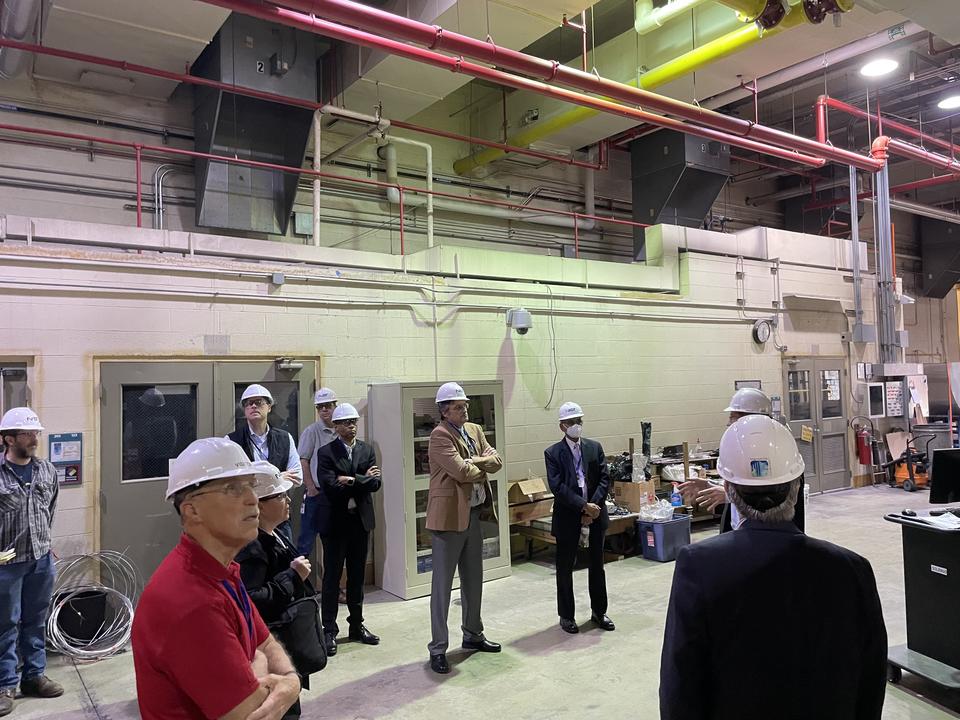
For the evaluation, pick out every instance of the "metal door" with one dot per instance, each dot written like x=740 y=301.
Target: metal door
x=815 y=398
x=149 y=412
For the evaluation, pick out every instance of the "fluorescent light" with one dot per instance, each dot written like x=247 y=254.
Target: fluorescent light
x=951 y=102
x=878 y=67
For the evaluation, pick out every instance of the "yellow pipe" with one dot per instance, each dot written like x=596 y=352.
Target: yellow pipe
x=748 y=10
x=697 y=58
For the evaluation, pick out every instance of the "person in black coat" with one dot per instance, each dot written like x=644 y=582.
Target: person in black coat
x=273 y=572
x=347 y=474
x=577 y=474
x=766 y=622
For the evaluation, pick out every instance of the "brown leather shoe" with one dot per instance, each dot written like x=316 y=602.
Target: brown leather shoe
x=42 y=687
x=6 y=700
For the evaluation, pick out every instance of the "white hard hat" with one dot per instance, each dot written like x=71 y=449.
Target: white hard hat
x=750 y=401
x=209 y=459
x=20 y=418
x=451 y=391
x=324 y=395
x=345 y=411
x=570 y=410
x=255 y=390
x=275 y=485
x=757 y=450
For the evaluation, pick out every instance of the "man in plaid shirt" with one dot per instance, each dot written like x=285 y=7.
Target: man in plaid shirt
x=28 y=497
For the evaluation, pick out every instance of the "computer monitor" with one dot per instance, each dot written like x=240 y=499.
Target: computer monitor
x=945 y=476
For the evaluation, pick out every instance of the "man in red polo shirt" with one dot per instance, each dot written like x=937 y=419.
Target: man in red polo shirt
x=200 y=649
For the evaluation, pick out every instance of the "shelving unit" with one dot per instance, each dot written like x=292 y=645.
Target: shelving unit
x=400 y=419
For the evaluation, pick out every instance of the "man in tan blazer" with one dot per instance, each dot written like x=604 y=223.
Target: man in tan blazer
x=460 y=498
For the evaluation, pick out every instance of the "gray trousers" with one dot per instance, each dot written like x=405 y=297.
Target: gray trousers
x=454 y=550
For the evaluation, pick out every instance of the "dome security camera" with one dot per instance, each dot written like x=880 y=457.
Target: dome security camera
x=520 y=320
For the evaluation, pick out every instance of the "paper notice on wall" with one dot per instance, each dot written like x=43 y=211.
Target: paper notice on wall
x=806 y=433
x=894 y=392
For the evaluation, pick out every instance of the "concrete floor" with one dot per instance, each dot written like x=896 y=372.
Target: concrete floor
x=542 y=672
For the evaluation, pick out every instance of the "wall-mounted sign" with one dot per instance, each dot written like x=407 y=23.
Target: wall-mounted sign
x=740 y=384
x=894 y=391
x=806 y=433
x=66 y=454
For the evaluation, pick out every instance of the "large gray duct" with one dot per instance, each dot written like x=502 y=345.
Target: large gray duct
x=18 y=21
x=676 y=179
x=253 y=54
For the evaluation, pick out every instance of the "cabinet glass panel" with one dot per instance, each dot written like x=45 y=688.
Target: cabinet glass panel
x=285 y=413
x=424 y=549
x=159 y=421
x=831 y=404
x=420 y=501
x=798 y=394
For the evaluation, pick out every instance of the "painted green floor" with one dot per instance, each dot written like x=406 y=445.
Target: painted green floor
x=542 y=672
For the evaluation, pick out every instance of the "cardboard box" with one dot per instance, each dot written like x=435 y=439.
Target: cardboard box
x=531 y=490
x=525 y=512
x=633 y=495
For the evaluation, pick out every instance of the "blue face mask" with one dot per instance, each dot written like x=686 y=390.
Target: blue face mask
x=574 y=431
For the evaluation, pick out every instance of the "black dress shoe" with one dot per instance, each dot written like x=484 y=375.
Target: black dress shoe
x=569 y=626
x=481 y=645
x=603 y=622
x=439 y=664
x=330 y=642
x=363 y=635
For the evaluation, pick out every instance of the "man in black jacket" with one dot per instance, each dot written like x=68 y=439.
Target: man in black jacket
x=766 y=622
x=347 y=474
x=577 y=474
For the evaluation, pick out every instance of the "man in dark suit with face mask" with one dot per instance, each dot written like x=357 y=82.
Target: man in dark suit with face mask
x=577 y=473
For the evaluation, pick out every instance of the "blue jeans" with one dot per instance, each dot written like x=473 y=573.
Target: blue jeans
x=25 y=590
x=308 y=526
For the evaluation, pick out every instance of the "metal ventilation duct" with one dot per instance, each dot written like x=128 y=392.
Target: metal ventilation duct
x=253 y=54
x=18 y=21
x=940 y=253
x=676 y=179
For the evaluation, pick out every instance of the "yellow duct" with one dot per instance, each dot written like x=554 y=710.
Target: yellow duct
x=697 y=58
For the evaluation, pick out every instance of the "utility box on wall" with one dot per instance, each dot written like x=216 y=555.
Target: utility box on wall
x=253 y=54
x=676 y=179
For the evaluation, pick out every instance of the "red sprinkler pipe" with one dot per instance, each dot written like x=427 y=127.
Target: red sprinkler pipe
x=282 y=99
x=162 y=151
x=894 y=190
x=550 y=71
x=271 y=13
x=885 y=124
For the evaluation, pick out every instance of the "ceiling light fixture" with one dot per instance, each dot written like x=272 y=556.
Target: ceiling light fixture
x=951 y=102
x=879 y=67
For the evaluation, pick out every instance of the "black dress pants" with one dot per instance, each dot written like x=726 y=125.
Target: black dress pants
x=345 y=545
x=567 y=544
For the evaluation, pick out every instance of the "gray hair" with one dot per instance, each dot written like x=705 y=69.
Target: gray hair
x=767 y=503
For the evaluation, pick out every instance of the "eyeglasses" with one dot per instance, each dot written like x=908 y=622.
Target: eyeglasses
x=281 y=496
x=29 y=433
x=326 y=406
x=235 y=489
x=346 y=422
x=255 y=402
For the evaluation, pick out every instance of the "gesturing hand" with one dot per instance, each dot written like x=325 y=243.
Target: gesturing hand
x=373 y=472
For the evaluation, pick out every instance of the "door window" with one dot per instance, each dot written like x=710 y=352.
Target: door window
x=831 y=402
x=285 y=413
x=798 y=394
x=158 y=422
x=13 y=387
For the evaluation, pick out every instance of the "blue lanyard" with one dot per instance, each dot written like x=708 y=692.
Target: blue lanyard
x=243 y=602
x=468 y=441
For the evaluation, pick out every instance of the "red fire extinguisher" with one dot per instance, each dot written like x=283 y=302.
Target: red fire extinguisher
x=864 y=449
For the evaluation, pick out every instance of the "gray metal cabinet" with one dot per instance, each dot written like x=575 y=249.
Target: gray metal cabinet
x=400 y=418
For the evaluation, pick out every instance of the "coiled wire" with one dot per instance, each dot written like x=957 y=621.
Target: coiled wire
x=109 y=574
